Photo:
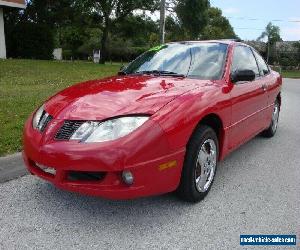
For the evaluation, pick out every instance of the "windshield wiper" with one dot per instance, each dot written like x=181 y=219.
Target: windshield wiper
x=160 y=72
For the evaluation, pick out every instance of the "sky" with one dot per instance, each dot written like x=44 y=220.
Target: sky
x=240 y=13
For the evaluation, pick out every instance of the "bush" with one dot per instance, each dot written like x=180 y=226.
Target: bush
x=125 y=53
x=67 y=54
x=288 y=61
x=30 y=40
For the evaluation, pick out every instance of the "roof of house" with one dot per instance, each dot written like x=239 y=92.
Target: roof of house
x=13 y=3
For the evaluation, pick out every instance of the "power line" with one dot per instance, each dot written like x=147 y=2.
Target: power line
x=258 y=19
x=248 y=29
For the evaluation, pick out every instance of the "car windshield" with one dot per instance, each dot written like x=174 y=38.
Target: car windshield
x=196 y=60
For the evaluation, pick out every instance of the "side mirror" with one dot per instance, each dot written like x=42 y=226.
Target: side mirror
x=121 y=71
x=242 y=76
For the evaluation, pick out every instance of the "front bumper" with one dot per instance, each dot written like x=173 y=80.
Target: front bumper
x=145 y=153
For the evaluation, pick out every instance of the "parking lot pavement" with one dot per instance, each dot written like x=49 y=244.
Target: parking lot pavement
x=256 y=191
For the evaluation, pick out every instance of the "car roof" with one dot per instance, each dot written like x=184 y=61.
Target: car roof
x=223 y=41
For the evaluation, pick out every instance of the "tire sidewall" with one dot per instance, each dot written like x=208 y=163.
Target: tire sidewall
x=269 y=132
x=202 y=134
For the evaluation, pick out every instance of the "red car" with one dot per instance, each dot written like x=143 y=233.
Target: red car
x=161 y=125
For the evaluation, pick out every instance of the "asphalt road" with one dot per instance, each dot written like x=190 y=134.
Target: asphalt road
x=256 y=191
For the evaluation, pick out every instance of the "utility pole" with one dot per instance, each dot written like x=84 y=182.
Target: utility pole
x=268 y=47
x=268 y=53
x=162 y=23
x=2 y=36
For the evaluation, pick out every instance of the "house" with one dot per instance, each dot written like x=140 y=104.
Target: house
x=5 y=4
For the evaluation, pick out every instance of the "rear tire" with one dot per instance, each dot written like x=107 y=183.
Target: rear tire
x=200 y=165
x=271 y=130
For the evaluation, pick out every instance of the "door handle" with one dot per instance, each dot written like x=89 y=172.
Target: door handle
x=264 y=87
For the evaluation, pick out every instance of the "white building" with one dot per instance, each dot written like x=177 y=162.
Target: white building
x=4 y=4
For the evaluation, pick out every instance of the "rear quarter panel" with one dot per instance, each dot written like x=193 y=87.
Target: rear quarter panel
x=274 y=86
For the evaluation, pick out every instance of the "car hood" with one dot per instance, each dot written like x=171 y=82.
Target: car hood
x=119 y=95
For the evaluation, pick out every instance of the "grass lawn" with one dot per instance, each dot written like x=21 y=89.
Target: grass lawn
x=291 y=73
x=26 y=84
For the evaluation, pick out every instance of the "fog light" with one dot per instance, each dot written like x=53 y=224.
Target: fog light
x=50 y=170
x=127 y=177
x=46 y=169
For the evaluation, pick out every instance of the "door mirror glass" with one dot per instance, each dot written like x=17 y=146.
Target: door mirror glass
x=242 y=76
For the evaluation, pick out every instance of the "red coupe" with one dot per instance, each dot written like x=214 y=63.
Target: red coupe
x=161 y=125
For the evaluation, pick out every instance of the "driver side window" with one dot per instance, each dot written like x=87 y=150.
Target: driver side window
x=243 y=59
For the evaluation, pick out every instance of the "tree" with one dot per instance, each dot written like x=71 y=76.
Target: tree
x=272 y=33
x=109 y=12
x=136 y=28
x=193 y=16
x=297 y=48
x=120 y=28
x=131 y=37
x=218 y=26
x=174 y=31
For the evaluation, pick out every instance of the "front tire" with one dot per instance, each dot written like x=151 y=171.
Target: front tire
x=271 y=130
x=200 y=165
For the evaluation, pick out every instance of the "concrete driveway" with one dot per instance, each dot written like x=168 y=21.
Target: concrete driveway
x=256 y=191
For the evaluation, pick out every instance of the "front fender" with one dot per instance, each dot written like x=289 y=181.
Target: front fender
x=181 y=116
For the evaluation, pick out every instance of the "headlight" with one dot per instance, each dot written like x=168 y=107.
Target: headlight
x=108 y=130
x=41 y=119
x=37 y=117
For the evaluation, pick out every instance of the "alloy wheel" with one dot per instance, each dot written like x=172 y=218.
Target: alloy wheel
x=206 y=165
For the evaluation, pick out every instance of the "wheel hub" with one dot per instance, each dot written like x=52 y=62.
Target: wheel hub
x=206 y=165
x=275 y=117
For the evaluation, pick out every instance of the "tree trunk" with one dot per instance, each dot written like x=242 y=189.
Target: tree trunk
x=103 y=44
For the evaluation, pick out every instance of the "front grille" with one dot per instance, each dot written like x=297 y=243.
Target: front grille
x=67 y=130
x=85 y=176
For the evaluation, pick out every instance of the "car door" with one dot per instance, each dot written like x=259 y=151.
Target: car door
x=269 y=83
x=248 y=99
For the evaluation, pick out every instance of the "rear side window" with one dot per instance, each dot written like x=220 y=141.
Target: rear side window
x=243 y=59
x=263 y=67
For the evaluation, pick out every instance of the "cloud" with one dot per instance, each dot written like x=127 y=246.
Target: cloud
x=231 y=10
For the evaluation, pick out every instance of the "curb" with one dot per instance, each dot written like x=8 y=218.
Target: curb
x=12 y=167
